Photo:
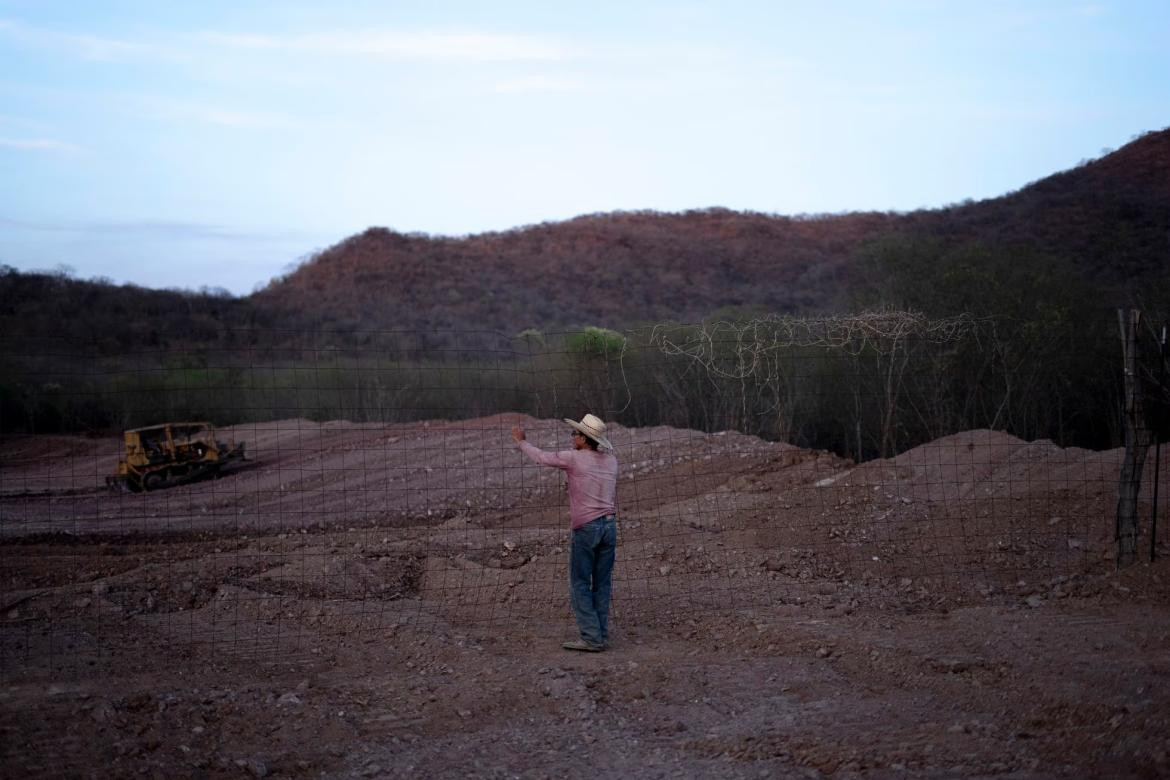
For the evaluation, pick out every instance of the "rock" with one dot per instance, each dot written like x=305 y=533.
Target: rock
x=102 y=713
x=258 y=767
x=951 y=665
x=1034 y=601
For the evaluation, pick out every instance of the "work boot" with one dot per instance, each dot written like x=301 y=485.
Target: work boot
x=583 y=646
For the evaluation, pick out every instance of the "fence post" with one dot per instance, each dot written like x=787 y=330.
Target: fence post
x=1137 y=440
x=1159 y=424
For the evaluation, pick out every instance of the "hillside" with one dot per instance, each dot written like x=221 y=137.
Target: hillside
x=1110 y=218
x=1105 y=222
x=1107 y=219
x=610 y=269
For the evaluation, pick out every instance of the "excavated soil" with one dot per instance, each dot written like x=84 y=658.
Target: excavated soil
x=389 y=600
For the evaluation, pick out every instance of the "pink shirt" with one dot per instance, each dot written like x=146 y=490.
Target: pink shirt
x=592 y=480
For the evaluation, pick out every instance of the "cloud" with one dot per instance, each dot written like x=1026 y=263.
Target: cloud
x=87 y=47
x=415 y=45
x=525 y=84
x=211 y=114
x=39 y=145
x=170 y=229
x=419 y=45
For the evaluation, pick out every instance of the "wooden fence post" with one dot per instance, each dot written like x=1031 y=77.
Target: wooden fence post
x=1137 y=440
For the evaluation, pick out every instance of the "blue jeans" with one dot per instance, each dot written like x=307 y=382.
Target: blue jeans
x=590 y=572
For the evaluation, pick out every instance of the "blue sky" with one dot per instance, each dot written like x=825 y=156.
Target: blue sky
x=215 y=143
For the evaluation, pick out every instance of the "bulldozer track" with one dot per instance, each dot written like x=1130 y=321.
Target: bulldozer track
x=97 y=490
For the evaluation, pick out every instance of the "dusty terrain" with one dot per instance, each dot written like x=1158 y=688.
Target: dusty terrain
x=368 y=600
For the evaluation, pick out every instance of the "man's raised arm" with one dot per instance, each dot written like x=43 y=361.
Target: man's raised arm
x=536 y=453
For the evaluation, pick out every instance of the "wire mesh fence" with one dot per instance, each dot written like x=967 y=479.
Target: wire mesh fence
x=271 y=494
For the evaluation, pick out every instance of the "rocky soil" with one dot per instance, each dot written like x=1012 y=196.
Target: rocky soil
x=372 y=600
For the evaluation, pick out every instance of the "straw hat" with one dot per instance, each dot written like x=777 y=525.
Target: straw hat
x=592 y=427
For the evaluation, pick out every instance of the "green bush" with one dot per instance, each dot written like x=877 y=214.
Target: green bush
x=593 y=342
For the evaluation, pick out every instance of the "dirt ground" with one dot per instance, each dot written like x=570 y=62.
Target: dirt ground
x=389 y=600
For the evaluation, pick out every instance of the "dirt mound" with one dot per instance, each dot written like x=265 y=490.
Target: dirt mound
x=975 y=509
x=389 y=600
x=302 y=473
x=971 y=464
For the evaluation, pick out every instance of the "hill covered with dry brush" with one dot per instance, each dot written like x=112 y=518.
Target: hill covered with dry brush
x=1104 y=225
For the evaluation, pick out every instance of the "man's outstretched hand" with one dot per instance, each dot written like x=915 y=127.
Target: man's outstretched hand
x=518 y=433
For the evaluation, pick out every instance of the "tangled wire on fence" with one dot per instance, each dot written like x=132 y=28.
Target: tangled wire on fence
x=750 y=342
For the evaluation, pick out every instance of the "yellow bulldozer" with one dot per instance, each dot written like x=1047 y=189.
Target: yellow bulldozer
x=163 y=455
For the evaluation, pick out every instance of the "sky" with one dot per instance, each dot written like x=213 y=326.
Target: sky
x=218 y=144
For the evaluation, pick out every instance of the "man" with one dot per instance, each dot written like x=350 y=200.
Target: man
x=592 y=472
